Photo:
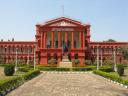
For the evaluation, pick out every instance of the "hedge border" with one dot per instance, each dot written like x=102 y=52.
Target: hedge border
x=112 y=77
x=88 y=68
x=10 y=84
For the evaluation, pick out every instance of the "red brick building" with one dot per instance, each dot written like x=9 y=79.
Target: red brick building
x=50 y=37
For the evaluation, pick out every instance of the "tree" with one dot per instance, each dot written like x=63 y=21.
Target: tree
x=110 y=40
x=124 y=51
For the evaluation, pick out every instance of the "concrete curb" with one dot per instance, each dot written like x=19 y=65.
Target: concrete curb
x=69 y=72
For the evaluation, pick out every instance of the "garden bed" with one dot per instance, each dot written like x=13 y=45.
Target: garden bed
x=9 y=83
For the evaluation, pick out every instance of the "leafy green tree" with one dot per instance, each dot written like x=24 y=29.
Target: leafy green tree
x=124 y=51
x=110 y=40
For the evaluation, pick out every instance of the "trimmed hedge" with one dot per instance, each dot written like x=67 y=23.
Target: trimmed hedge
x=106 y=69
x=108 y=75
x=120 y=69
x=24 y=69
x=9 y=70
x=88 y=68
x=53 y=69
x=12 y=83
x=9 y=84
x=31 y=74
x=111 y=77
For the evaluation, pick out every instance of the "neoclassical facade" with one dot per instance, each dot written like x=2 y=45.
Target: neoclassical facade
x=50 y=38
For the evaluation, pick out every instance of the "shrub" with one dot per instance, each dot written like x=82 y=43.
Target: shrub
x=31 y=74
x=125 y=82
x=53 y=69
x=108 y=75
x=9 y=70
x=108 y=62
x=106 y=69
x=88 y=62
x=24 y=69
x=76 y=62
x=120 y=69
x=89 y=68
x=11 y=83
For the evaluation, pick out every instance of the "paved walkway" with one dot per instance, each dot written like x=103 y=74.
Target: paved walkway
x=69 y=84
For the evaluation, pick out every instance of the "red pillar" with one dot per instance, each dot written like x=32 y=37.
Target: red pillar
x=83 y=40
x=59 y=41
x=52 y=39
x=41 y=40
x=80 y=41
x=72 y=40
x=66 y=37
x=44 y=41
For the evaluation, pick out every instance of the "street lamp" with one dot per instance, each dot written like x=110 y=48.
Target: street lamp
x=34 y=56
x=16 y=60
x=28 y=58
x=114 y=59
x=97 y=57
x=5 y=54
x=101 y=54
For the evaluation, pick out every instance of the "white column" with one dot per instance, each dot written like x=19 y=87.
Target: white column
x=16 y=61
x=97 y=57
x=34 y=57
x=114 y=54
x=28 y=58
x=101 y=54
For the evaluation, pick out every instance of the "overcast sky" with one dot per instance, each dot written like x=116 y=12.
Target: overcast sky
x=108 y=18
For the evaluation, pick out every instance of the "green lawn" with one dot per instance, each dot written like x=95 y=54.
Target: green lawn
x=2 y=75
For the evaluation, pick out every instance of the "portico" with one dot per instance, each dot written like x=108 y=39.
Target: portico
x=52 y=35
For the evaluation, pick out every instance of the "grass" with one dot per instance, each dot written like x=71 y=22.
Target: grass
x=2 y=75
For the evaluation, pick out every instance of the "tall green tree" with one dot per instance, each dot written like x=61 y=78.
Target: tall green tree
x=124 y=50
x=110 y=40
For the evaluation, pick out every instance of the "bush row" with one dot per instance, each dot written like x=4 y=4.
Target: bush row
x=89 y=68
x=12 y=83
x=110 y=76
x=106 y=69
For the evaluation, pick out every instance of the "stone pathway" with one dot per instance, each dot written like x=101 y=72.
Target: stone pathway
x=69 y=84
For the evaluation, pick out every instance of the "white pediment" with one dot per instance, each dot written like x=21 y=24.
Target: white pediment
x=62 y=23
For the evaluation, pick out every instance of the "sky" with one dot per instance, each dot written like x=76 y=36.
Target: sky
x=108 y=18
